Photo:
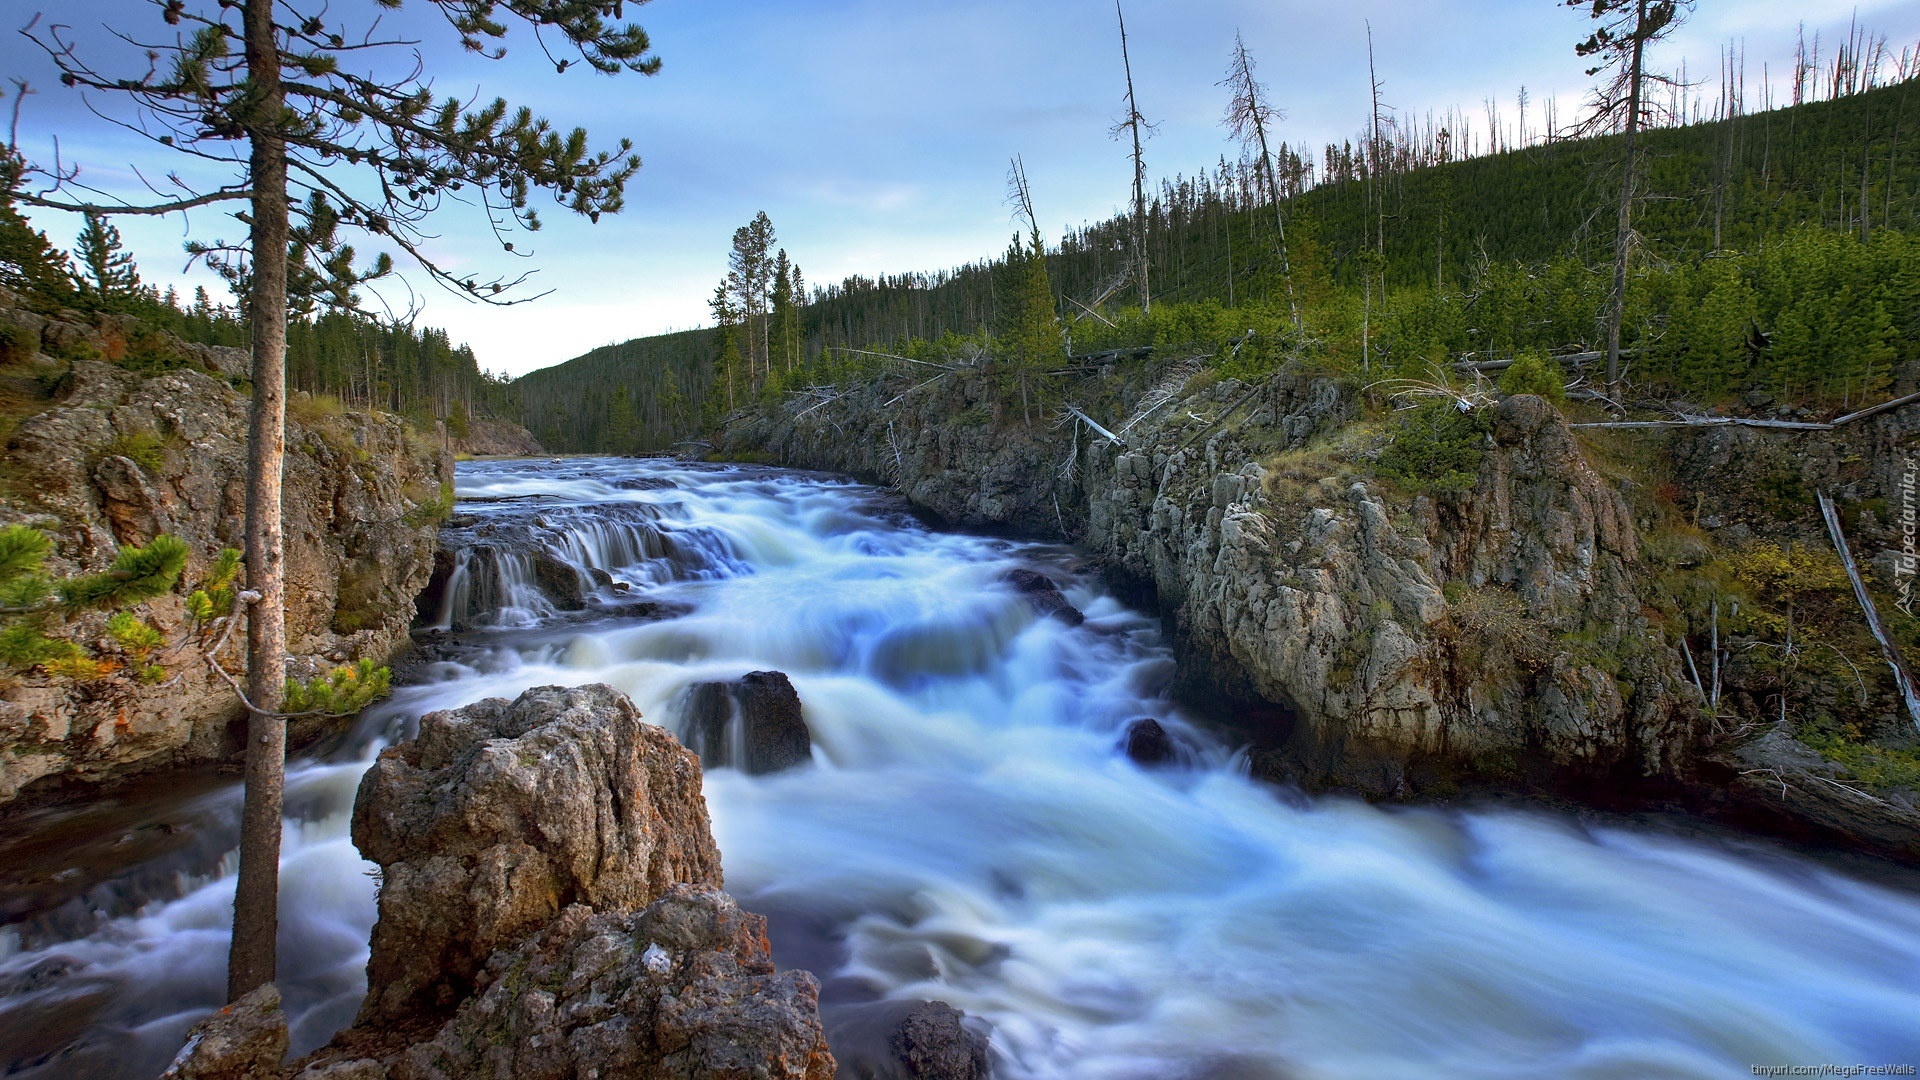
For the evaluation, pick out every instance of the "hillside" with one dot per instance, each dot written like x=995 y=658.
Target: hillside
x=1487 y=252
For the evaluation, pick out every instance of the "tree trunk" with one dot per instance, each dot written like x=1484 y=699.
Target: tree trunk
x=250 y=963
x=1623 y=230
x=1139 y=171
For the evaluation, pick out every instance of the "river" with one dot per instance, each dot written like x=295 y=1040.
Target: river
x=969 y=831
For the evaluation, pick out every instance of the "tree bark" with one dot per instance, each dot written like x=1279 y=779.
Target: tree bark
x=1139 y=171
x=250 y=962
x=1629 y=170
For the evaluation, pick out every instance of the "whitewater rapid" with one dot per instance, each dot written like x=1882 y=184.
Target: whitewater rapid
x=968 y=831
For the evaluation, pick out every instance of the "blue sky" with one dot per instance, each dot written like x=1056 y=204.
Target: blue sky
x=876 y=134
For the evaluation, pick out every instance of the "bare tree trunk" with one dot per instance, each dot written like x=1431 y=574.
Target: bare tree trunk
x=1139 y=170
x=250 y=962
x=1623 y=230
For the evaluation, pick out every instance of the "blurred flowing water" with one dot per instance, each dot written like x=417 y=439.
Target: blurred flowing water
x=969 y=832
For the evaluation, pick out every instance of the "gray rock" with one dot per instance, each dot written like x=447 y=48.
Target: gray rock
x=934 y=1043
x=355 y=559
x=684 y=990
x=246 y=1040
x=499 y=815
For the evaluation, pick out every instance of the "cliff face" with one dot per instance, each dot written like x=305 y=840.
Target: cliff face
x=100 y=457
x=1370 y=637
x=1526 y=628
x=488 y=437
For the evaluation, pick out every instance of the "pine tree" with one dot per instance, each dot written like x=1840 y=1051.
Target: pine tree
x=30 y=266
x=276 y=83
x=1619 y=45
x=108 y=275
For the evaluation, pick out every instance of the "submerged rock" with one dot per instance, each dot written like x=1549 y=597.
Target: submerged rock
x=1147 y=743
x=558 y=582
x=1045 y=596
x=244 y=1041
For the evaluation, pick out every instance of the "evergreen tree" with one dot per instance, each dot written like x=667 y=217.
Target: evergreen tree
x=30 y=266
x=277 y=83
x=108 y=275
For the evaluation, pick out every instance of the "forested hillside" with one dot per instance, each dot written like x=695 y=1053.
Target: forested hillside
x=1773 y=255
x=414 y=371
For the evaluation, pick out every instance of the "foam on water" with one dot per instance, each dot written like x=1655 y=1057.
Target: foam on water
x=970 y=833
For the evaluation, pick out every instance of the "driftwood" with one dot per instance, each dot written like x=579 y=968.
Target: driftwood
x=1887 y=648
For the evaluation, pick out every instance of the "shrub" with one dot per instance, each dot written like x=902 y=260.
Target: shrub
x=1437 y=445
x=144 y=448
x=17 y=344
x=1533 y=373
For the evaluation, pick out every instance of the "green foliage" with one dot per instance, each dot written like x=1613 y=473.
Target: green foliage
x=108 y=278
x=27 y=610
x=135 y=637
x=146 y=449
x=433 y=510
x=137 y=574
x=22 y=551
x=1437 y=445
x=29 y=264
x=17 y=344
x=23 y=645
x=1879 y=767
x=342 y=692
x=213 y=596
x=1533 y=373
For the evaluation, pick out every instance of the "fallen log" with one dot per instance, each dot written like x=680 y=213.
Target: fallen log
x=1901 y=675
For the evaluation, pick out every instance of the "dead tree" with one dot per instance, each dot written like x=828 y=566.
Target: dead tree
x=1133 y=125
x=1247 y=117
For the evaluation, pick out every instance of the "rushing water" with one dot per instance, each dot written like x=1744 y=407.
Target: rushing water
x=969 y=832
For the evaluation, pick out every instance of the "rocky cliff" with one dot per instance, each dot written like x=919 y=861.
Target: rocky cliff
x=490 y=437
x=105 y=448
x=550 y=907
x=1368 y=632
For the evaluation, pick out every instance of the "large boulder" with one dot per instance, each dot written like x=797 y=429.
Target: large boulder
x=550 y=909
x=684 y=990
x=500 y=815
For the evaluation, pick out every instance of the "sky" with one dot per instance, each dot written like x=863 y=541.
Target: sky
x=876 y=133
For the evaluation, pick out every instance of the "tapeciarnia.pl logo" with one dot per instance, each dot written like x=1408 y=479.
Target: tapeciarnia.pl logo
x=1908 y=562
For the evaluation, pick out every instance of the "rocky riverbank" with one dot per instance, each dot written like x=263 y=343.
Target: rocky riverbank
x=106 y=447
x=1526 y=629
